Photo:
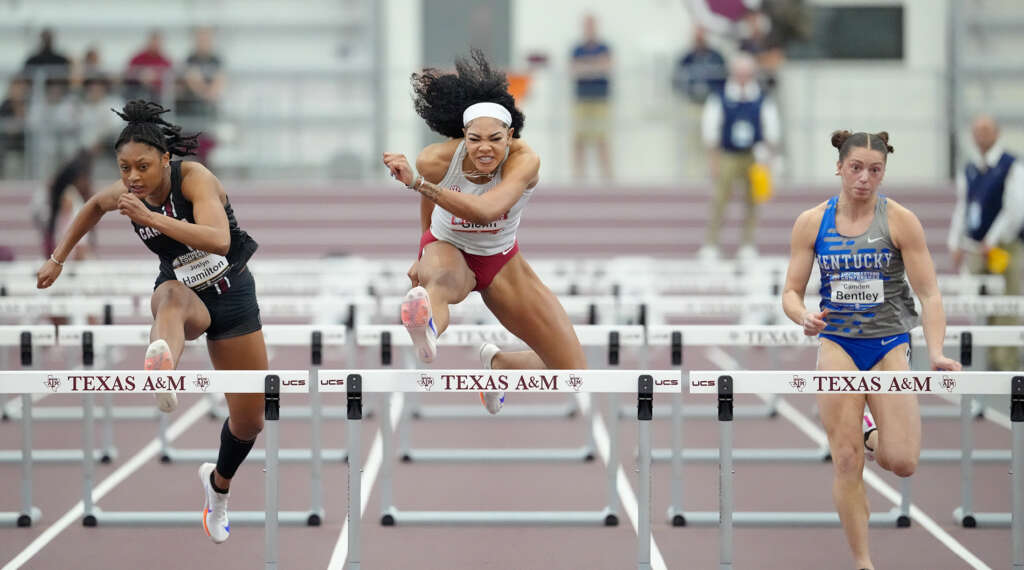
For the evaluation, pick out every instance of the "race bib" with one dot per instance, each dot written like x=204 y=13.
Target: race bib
x=199 y=269
x=742 y=134
x=858 y=294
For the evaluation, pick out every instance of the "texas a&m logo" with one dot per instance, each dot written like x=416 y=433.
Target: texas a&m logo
x=426 y=382
x=949 y=383
x=575 y=382
x=52 y=382
x=798 y=383
x=201 y=383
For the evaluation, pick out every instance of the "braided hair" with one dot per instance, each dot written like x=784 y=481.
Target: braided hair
x=440 y=98
x=145 y=125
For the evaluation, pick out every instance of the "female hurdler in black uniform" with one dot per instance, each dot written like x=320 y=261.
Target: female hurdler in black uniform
x=182 y=214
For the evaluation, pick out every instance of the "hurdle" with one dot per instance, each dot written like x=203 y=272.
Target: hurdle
x=612 y=338
x=316 y=337
x=26 y=339
x=356 y=383
x=86 y=384
x=725 y=384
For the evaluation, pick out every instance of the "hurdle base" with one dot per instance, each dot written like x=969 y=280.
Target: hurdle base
x=58 y=455
x=664 y=411
x=172 y=455
x=188 y=518
x=606 y=517
x=584 y=453
x=461 y=411
x=981 y=520
x=891 y=519
x=21 y=520
x=751 y=455
x=977 y=456
x=675 y=517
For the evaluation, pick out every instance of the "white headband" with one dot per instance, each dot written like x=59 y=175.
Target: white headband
x=493 y=110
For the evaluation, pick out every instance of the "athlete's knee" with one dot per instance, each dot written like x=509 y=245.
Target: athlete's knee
x=847 y=460
x=171 y=296
x=902 y=465
x=246 y=428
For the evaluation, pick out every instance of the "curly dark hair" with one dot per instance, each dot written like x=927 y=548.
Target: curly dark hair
x=440 y=98
x=146 y=126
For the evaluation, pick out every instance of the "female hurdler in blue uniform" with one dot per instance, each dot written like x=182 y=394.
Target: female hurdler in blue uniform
x=863 y=243
x=181 y=212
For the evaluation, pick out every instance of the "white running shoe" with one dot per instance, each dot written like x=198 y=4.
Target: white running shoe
x=158 y=357
x=419 y=321
x=215 y=510
x=707 y=254
x=869 y=426
x=493 y=401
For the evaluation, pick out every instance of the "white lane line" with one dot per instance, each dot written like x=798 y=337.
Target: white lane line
x=812 y=431
x=369 y=476
x=144 y=455
x=622 y=483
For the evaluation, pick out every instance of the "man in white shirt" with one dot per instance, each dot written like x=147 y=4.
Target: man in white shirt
x=989 y=214
x=738 y=123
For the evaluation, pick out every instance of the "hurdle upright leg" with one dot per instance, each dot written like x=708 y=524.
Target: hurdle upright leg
x=271 y=414
x=725 y=473
x=1017 y=471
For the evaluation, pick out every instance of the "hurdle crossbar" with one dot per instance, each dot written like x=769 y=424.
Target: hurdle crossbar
x=644 y=384
x=89 y=383
x=727 y=383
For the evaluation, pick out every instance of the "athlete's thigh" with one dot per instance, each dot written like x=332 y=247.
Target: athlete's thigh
x=841 y=414
x=174 y=293
x=529 y=310
x=443 y=266
x=245 y=352
x=897 y=415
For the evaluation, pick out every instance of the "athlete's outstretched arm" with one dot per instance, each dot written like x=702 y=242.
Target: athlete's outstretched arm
x=908 y=236
x=518 y=173
x=210 y=232
x=801 y=261
x=86 y=219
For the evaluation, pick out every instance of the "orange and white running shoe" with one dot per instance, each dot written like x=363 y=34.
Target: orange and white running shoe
x=158 y=357
x=419 y=321
x=215 y=508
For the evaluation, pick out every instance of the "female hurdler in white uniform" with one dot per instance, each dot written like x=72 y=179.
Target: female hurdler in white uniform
x=473 y=189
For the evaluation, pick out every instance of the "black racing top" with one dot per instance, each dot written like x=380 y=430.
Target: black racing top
x=197 y=269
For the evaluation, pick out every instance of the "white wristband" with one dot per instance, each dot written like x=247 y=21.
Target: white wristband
x=54 y=259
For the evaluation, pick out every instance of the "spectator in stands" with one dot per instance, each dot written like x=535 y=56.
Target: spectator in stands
x=987 y=222
x=591 y=69
x=144 y=78
x=698 y=73
x=13 y=116
x=55 y=65
x=97 y=131
x=740 y=126
x=202 y=86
